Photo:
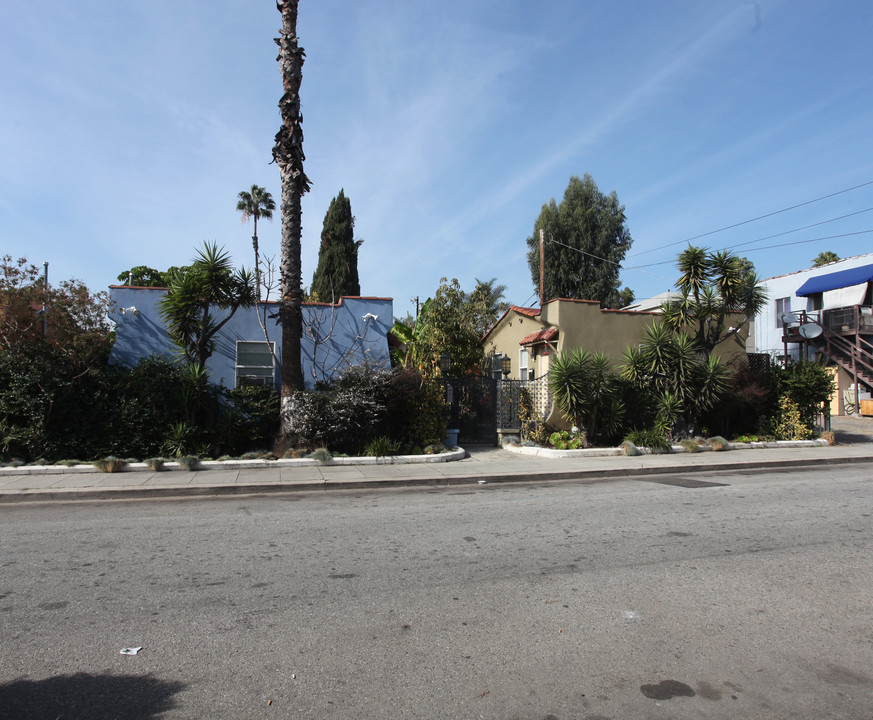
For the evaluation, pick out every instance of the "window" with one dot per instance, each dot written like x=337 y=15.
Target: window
x=783 y=305
x=522 y=364
x=254 y=363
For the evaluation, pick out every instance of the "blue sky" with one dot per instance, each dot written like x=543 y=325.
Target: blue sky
x=127 y=130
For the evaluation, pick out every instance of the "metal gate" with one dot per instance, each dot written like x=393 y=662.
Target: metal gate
x=480 y=405
x=473 y=408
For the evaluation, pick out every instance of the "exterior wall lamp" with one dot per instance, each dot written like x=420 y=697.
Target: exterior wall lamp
x=445 y=362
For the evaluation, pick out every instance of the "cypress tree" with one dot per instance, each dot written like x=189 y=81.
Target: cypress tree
x=337 y=271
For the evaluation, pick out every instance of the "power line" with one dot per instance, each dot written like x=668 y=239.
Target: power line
x=766 y=237
x=801 y=242
x=732 y=247
x=769 y=247
x=805 y=227
x=755 y=219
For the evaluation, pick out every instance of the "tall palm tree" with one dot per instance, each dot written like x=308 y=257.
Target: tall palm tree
x=288 y=154
x=256 y=204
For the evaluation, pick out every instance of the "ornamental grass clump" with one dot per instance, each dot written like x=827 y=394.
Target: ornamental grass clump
x=109 y=464
x=651 y=439
x=320 y=454
x=718 y=443
x=382 y=447
x=155 y=464
x=188 y=462
x=690 y=445
x=629 y=449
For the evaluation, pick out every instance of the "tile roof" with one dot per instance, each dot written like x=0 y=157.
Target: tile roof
x=540 y=336
x=530 y=312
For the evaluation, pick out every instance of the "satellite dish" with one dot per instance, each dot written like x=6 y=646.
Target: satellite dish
x=789 y=318
x=810 y=330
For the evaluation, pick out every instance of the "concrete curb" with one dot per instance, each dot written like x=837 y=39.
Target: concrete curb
x=242 y=489
x=454 y=454
x=675 y=449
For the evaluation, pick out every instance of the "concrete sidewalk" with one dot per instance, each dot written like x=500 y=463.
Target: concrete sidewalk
x=482 y=465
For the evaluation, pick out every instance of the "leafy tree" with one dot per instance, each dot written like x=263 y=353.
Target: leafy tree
x=66 y=316
x=193 y=295
x=715 y=287
x=288 y=155
x=586 y=238
x=143 y=276
x=825 y=257
x=488 y=298
x=620 y=298
x=254 y=204
x=337 y=271
x=449 y=324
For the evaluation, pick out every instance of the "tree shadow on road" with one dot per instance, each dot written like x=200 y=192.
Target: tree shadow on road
x=97 y=697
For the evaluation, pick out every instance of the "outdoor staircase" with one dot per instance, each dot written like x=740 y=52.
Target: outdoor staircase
x=853 y=353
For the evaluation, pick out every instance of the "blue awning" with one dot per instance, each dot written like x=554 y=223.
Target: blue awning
x=834 y=281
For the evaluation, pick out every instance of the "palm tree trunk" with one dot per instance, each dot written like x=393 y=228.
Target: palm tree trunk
x=288 y=154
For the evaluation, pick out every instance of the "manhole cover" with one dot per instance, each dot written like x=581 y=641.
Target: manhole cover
x=685 y=482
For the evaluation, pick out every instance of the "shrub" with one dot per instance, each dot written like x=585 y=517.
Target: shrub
x=563 y=440
x=533 y=424
x=364 y=404
x=808 y=386
x=258 y=412
x=790 y=424
x=382 y=447
x=746 y=406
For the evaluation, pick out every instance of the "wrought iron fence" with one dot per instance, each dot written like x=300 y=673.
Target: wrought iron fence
x=511 y=394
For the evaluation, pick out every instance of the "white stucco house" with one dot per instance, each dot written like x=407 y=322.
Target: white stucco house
x=823 y=312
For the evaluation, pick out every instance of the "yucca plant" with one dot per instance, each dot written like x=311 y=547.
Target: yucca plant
x=584 y=388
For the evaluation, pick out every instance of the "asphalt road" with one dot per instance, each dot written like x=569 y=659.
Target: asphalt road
x=725 y=596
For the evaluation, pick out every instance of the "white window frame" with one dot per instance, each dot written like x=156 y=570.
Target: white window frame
x=523 y=360
x=783 y=305
x=268 y=378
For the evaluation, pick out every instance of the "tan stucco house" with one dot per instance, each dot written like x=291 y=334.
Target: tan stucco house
x=529 y=336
